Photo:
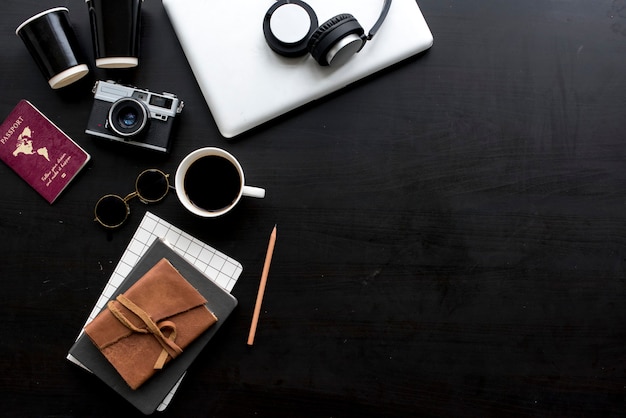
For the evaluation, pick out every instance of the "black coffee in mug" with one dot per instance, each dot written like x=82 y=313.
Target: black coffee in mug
x=212 y=183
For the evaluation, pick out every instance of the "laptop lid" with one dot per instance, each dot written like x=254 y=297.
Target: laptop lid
x=245 y=83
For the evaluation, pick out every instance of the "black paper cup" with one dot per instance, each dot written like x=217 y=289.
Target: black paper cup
x=115 y=32
x=51 y=41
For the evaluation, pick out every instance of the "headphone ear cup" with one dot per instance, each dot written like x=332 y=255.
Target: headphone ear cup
x=281 y=17
x=330 y=33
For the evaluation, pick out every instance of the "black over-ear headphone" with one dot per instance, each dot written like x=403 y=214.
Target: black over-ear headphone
x=290 y=28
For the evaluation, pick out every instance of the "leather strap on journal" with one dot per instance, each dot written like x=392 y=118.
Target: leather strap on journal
x=150 y=324
x=169 y=347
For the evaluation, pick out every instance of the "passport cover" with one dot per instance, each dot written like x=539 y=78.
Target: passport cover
x=148 y=396
x=39 y=151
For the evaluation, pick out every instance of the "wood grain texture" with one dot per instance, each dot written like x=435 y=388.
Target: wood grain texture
x=452 y=230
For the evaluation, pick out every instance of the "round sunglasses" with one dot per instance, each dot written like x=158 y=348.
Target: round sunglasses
x=151 y=186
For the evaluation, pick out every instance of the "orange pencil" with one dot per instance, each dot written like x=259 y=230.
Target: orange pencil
x=259 y=296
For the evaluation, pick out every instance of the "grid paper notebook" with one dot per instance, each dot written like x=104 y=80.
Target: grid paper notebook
x=220 y=268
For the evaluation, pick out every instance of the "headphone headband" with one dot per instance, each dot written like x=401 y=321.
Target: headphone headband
x=380 y=20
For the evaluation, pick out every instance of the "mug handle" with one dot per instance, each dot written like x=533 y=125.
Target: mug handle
x=251 y=191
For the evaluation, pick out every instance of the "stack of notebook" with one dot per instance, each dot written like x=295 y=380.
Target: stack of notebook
x=212 y=273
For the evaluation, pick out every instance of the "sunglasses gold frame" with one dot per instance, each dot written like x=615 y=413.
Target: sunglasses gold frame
x=135 y=193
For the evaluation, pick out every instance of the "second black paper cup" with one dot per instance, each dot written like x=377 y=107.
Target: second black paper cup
x=51 y=41
x=115 y=32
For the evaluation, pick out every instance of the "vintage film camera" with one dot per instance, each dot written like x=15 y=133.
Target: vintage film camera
x=133 y=116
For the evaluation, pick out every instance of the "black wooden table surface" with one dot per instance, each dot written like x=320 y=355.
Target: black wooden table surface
x=451 y=231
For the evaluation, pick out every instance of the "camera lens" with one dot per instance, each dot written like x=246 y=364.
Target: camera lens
x=128 y=116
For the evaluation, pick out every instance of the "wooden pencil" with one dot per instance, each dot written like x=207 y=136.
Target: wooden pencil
x=261 y=292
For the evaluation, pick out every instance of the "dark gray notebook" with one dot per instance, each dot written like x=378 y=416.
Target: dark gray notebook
x=148 y=397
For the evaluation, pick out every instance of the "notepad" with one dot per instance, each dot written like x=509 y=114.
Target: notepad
x=217 y=266
x=147 y=395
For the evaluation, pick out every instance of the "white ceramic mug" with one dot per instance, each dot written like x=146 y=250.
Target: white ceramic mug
x=210 y=182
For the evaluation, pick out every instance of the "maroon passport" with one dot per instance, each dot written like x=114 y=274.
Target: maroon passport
x=39 y=152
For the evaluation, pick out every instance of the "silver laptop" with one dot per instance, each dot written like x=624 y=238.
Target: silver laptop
x=245 y=83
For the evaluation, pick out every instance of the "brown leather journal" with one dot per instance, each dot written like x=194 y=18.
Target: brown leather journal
x=150 y=324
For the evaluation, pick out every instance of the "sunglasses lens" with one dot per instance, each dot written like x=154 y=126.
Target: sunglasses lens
x=152 y=185
x=111 y=211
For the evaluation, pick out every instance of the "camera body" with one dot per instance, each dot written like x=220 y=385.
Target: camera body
x=133 y=116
